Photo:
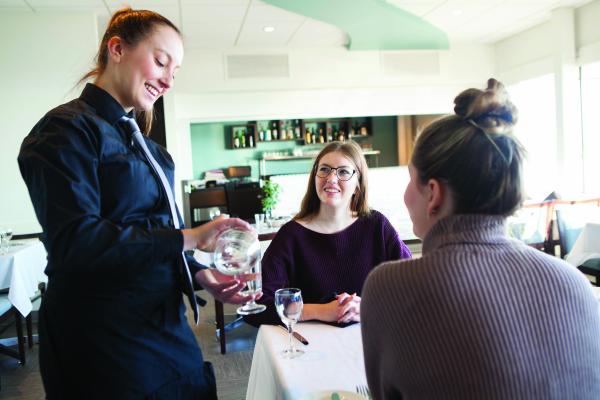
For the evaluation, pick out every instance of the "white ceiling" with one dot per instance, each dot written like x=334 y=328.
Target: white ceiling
x=240 y=23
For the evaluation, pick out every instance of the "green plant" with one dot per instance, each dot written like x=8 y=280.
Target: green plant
x=271 y=191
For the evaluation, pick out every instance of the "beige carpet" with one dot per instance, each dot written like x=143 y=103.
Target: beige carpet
x=232 y=370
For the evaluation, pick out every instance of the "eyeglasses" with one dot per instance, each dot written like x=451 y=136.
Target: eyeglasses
x=343 y=173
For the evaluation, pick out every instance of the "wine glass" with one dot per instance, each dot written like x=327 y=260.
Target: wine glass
x=214 y=212
x=288 y=302
x=3 y=236
x=253 y=286
x=238 y=252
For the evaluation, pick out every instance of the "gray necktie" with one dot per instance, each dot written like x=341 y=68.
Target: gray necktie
x=188 y=288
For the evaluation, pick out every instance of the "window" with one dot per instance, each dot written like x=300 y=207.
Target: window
x=590 y=99
x=536 y=100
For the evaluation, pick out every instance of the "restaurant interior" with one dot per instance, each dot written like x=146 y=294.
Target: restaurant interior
x=265 y=84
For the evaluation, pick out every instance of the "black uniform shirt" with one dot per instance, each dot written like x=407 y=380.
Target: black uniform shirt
x=113 y=254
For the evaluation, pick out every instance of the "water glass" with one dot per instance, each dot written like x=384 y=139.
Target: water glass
x=236 y=251
x=253 y=286
x=288 y=303
x=259 y=219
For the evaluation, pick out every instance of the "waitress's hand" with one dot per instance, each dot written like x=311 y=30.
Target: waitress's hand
x=205 y=236
x=225 y=288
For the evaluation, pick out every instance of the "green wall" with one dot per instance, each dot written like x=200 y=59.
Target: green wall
x=209 y=149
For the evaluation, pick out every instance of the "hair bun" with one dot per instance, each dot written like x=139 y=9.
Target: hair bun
x=490 y=109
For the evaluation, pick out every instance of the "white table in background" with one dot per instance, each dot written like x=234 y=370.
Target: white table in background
x=586 y=246
x=333 y=361
x=21 y=271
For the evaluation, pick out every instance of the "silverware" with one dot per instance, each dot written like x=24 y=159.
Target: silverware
x=364 y=391
x=298 y=336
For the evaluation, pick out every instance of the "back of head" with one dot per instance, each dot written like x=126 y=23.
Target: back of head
x=132 y=26
x=474 y=153
x=359 y=204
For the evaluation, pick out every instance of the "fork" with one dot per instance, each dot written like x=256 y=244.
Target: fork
x=364 y=391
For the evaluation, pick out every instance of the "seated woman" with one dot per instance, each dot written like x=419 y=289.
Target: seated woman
x=332 y=244
x=480 y=315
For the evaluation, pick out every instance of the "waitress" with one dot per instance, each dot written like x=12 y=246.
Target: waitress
x=112 y=322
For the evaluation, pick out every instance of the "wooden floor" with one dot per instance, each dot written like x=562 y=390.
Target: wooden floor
x=232 y=370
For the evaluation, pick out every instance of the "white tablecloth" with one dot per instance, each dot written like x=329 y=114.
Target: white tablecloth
x=586 y=246
x=333 y=361
x=21 y=270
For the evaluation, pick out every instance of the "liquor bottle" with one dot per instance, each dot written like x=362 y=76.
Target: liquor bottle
x=321 y=136
x=297 y=129
x=236 y=140
x=250 y=139
x=261 y=134
x=243 y=137
x=274 y=131
x=308 y=136
x=290 y=131
x=341 y=136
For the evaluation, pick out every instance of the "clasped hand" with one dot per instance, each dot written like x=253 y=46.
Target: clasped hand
x=345 y=308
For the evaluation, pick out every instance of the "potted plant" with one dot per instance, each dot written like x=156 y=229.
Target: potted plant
x=271 y=191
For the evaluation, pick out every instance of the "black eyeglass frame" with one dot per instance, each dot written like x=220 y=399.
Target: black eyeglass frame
x=336 y=172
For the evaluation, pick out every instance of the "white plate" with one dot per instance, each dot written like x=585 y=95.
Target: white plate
x=326 y=395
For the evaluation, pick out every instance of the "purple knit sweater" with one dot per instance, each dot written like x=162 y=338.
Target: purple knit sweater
x=480 y=316
x=322 y=265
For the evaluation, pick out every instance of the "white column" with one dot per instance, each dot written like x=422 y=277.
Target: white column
x=568 y=105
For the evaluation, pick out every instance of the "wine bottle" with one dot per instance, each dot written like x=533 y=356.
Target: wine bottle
x=297 y=129
x=236 y=139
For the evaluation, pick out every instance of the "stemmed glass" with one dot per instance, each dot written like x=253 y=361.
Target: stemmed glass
x=288 y=302
x=5 y=236
x=238 y=252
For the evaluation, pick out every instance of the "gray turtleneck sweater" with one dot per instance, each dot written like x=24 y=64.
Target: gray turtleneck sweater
x=480 y=316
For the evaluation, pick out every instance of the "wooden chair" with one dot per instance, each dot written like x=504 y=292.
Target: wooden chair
x=222 y=327
x=7 y=311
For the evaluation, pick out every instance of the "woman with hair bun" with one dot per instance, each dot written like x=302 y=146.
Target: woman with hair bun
x=480 y=315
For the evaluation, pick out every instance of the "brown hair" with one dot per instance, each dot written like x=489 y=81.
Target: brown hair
x=475 y=153
x=132 y=26
x=352 y=151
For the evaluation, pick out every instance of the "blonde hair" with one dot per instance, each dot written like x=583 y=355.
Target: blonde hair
x=359 y=204
x=132 y=26
x=475 y=153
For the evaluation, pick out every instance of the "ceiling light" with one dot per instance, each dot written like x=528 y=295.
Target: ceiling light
x=268 y=29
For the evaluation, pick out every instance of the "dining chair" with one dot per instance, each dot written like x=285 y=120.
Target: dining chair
x=7 y=310
x=591 y=267
x=571 y=217
x=222 y=327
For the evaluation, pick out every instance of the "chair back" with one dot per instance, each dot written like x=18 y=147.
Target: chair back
x=571 y=217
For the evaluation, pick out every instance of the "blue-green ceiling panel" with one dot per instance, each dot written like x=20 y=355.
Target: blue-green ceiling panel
x=371 y=24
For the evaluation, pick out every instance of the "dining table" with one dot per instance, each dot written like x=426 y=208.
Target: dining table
x=587 y=245
x=21 y=271
x=332 y=363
